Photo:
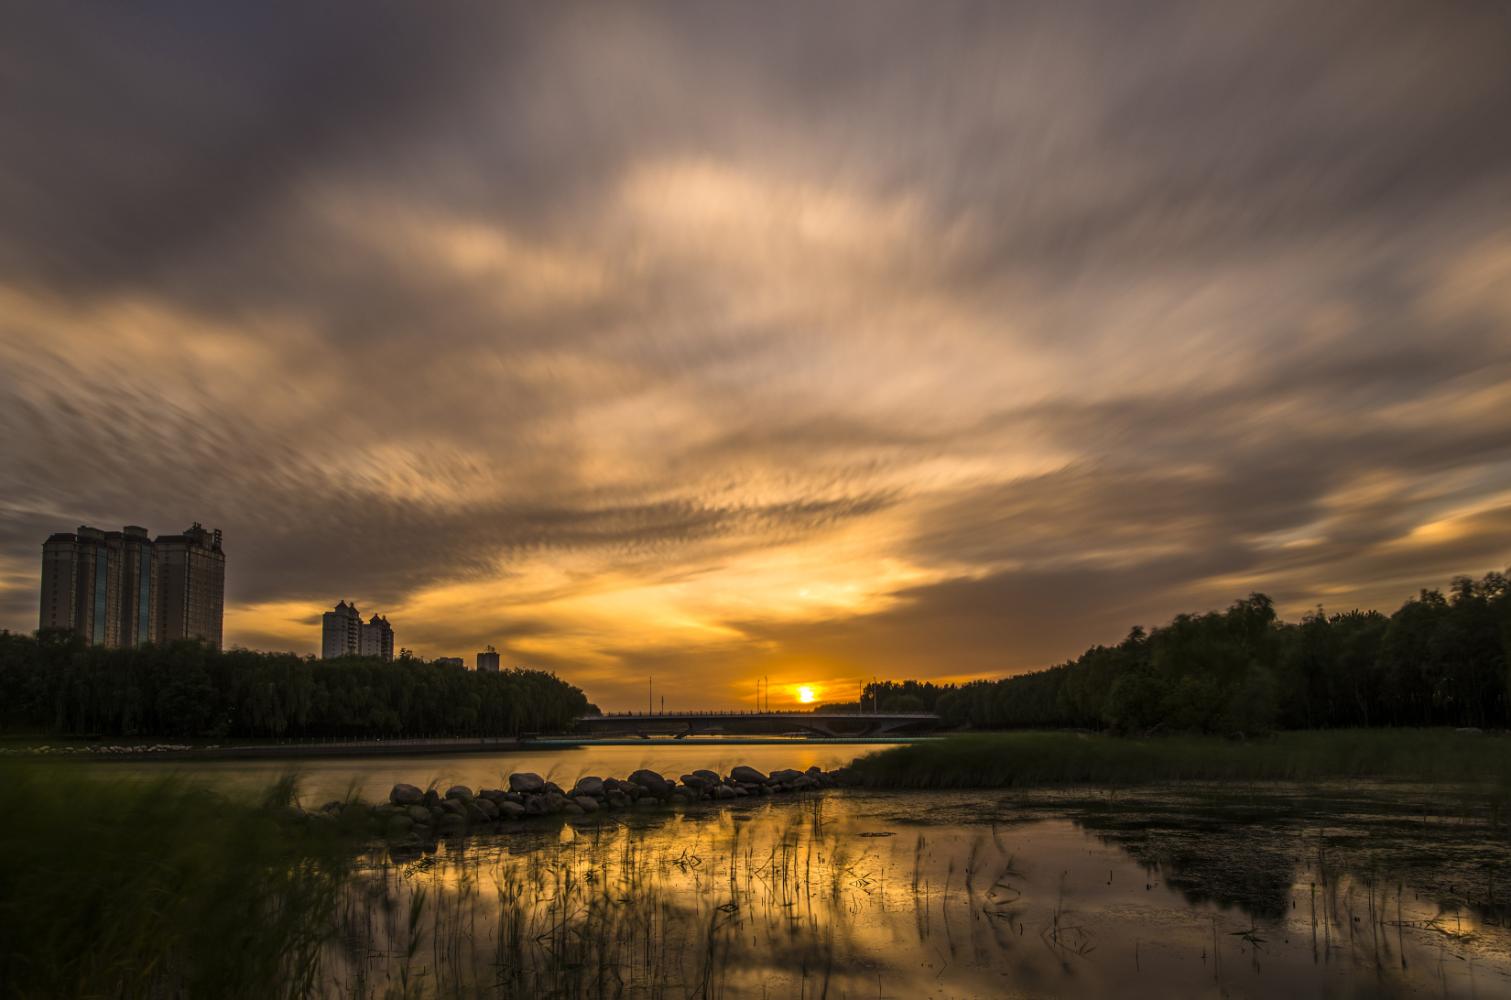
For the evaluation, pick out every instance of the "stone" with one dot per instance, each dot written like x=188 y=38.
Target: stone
x=461 y=792
x=526 y=782
x=535 y=805
x=451 y=822
x=333 y=807
x=510 y=810
x=588 y=786
x=419 y=814
x=430 y=799
x=712 y=777
x=697 y=782
x=398 y=828
x=493 y=794
x=552 y=786
x=405 y=795
x=803 y=783
x=573 y=809
x=554 y=801
x=814 y=771
x=747 y=774
x=785 y=775
x=586 y=803
x=651 y=782
x=617 y=799
x=477 y=812
x=722 y=792
x=454 y=807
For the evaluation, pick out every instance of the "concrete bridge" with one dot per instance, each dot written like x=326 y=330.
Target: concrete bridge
x=830 y=724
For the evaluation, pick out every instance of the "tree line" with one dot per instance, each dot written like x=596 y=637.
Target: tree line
x=1439 y=660
x=54 y=682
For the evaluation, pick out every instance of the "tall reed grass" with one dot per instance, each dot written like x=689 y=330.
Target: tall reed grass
x=1048 y=758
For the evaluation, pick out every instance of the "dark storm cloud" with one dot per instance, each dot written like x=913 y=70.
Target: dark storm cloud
x=927 y=338
x=138 y=138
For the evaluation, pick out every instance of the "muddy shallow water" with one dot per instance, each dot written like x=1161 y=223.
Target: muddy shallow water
x=1262 y=891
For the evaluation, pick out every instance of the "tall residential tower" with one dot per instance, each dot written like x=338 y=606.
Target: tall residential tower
x=120 y=588
x=344 y=633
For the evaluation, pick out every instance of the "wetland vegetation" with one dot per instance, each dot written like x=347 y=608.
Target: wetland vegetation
x=1054 y=758
x=1237 y=885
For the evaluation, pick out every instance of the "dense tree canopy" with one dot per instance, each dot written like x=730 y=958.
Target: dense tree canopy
x=57 y=683
x=1438 y=661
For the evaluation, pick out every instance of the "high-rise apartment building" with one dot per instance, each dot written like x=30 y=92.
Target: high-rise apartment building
x=487 y=660
x=120 y=588
x=376 y=638
x=191 y=585
x=340 y=632
x=344 y=633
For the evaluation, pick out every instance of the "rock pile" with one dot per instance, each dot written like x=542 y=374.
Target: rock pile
x=411 y=812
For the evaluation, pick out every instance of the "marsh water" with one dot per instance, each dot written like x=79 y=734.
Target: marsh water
x=855 y=894
x=1189 y=891
x=322 y=779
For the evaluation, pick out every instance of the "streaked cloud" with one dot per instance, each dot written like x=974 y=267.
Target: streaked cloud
x=711 y=341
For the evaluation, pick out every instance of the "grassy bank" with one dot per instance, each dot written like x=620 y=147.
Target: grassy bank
x=160 y=888
x=1038 y=759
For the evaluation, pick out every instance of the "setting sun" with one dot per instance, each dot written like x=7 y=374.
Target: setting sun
x=806 y=695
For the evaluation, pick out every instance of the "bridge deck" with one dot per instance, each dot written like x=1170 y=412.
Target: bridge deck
x=821 y=723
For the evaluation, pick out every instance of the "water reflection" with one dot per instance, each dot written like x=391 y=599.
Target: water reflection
x=321 y=780
x=862 y=895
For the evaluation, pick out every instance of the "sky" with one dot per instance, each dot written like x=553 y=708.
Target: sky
x=711 y=341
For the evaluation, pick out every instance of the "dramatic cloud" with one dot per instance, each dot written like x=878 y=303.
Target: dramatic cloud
x=720 y=340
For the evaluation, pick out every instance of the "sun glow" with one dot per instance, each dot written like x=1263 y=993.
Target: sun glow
x=806 y=695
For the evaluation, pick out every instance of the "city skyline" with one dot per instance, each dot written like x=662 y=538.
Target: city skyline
x=928 y=341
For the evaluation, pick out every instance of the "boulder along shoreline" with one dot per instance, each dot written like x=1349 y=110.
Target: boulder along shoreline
x=415 y=814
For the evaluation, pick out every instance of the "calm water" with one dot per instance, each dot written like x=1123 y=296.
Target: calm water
x=324 y=779
x=939 y=895
x=1197 y=891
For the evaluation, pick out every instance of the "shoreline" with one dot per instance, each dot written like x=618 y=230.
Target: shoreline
x=359 y=749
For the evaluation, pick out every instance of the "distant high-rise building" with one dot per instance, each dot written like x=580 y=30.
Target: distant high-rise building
x=488 y=660
x=344 y=633
x=341 y=632
x=191 y=585
x=376 y=638
x=449 y=661
x=120 y=588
